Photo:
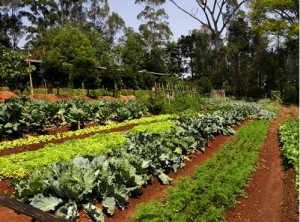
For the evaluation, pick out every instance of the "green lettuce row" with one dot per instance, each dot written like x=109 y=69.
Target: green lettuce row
x=155 y=127
x=289 y=138
x=45 y=138
x=215 y=184
x=23 y=164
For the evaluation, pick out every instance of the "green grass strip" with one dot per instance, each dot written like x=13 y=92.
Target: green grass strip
x=215 y=184
x=44 y=138
x=18 y=166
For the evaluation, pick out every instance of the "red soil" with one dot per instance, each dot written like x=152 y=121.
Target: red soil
x=127 y=98
x=54 y=98
x=6 y=95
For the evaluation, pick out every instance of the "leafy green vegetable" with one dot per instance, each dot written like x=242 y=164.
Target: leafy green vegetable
x=289 y=138
x=45 y=203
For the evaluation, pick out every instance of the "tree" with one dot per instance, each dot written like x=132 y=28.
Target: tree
x=134 y=52
x=4 y=27
x=43 y=17
x=279 y=21
x=69 y=51
x=14 y=71
x=11 y=21
x=115 y=27
x=173 y=58
x=218 y=15
x=72 y=11
x=97 y=14
x=238 y=54
x=156 y=33
x=276 y=17
x=196 y=48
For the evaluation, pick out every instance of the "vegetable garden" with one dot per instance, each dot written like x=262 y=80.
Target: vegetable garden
x=98 y=169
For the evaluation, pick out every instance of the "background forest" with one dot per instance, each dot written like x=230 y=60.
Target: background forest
x=252 y=52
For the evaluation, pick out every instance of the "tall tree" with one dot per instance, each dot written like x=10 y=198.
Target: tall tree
x=72 y=11
x=156 y=32
x=238 y=54
x=11 y=20
x=217 y=13
x=196 y=49
x=42 y=16
x=173 y=58
x=279 y=21
x=134 y=52
x=115 y=28
x=4 y=27
x=97 y=14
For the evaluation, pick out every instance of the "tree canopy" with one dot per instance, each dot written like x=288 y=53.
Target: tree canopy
x=248 y=48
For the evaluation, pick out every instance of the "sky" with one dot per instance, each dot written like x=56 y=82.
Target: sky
x=179 y=22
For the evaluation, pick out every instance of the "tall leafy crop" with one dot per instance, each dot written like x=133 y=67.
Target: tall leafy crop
x=19 y=116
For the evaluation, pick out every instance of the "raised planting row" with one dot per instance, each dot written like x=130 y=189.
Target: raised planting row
x=289 y=139
x=214 y=186
x=257 y=110
x=19 y=116
x=71 y=186
x=45 y=138
x=20 y=165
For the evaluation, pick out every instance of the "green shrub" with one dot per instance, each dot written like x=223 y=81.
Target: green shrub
x=204 y=85
x=180 y=103
x=276 y=96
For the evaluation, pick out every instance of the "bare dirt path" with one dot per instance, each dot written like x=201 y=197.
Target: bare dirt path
x=270 y=195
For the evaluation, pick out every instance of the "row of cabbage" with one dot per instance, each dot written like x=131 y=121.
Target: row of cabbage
x=71 y=186
x=289 y=138
x=22 y=115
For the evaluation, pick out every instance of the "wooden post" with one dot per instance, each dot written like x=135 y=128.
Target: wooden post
x=29 y=210
x=153 y=93
x=30 y=76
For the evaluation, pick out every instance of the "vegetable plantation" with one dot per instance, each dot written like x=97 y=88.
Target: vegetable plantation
x=109 y=168
x=98 y=169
